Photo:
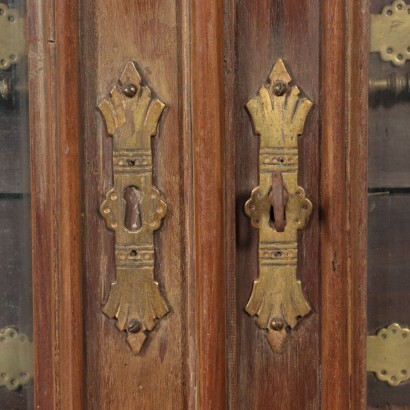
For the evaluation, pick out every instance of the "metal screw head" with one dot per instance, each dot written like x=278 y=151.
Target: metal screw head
x=277 y=323
x=134 y=326
x=129 y=90
x=279 y=88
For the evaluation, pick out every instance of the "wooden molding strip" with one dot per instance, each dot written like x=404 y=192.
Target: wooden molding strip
x=207 y=131
x=344 y=203
x=56 y=202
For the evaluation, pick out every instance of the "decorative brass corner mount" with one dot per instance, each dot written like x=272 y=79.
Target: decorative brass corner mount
x=278 y=207
x=11 y=46
x=16 y=359
x=133 y=208
x=388 y=354
x=390 y=33
x=11 y=36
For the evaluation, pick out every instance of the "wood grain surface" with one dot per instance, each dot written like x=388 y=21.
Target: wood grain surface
x=149 y=33
x=357 y=182
x=208 y=139
x=231 y=347
x=344 y=203
x=255 y=37
x=56 y=205
x=205 y=60
x=333 y=196
x=44 y=204
x=70 y=243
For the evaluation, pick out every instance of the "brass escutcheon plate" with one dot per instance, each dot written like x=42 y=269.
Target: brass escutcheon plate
x=134 y=207
x=278 y=115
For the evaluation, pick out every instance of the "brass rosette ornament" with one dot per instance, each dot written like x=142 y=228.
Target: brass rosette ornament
x=133 y=208
x=278 y=207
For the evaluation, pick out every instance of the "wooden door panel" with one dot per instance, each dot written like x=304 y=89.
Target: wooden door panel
x=205 y=61
x=257 y=37
x=147 y=32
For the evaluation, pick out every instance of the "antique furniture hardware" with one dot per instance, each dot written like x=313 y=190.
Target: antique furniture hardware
x=11 y=36
x=11 y=45
x=390 y=33
x=278 y=115
x=16 y=359
x=393 y=83
x=134 y=208
x=388 y=354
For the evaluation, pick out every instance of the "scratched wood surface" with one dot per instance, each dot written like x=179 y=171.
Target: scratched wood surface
x=255 y=38
x=149 y=33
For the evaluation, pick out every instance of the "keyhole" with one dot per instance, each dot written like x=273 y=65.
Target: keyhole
x=132 y=220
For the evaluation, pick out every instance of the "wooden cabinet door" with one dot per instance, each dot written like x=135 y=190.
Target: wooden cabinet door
x=204 y=60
